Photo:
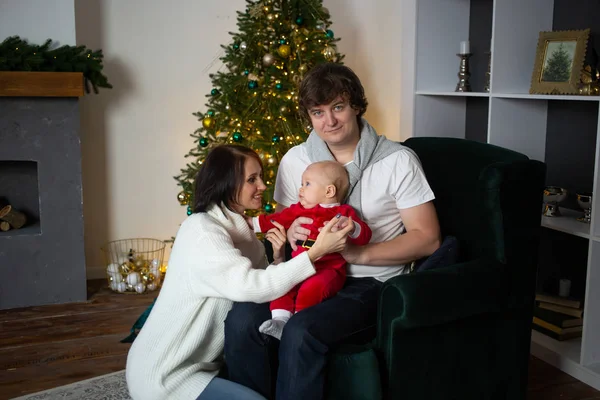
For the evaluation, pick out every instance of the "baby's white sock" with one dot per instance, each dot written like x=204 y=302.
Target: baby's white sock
x=274 y=327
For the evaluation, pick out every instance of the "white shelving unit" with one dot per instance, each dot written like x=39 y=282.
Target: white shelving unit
x=516 y=120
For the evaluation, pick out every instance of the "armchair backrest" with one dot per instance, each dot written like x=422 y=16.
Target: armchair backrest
x=485 y=194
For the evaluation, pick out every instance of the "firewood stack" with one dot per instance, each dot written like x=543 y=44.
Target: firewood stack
x=11 y=218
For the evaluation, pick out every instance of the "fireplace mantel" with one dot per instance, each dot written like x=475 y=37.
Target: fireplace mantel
x=41 y=84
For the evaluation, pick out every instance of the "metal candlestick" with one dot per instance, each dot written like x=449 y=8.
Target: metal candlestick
x=463 y=84
x=488 y=73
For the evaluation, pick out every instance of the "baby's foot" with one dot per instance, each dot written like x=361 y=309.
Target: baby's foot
x=272 y=327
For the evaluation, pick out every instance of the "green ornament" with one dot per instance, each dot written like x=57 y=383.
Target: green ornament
x=203 y=142
x=269 y=207
x=279 y=86
x=210 y=113
x=236 y=46
x=252 y=85
x=275 y=138
x=214 y=92
x=246 y=72
x=189 y=210
x=281 y=41
x=299 y=20
x=329 y=33
x=237 y=137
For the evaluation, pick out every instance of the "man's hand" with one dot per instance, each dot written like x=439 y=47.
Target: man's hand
x=297 y=232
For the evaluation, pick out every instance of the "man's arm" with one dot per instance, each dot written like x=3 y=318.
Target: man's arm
x=422 y=238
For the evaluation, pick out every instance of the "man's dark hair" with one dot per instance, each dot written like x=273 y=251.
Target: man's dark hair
x=325 y=82
x=221 y=176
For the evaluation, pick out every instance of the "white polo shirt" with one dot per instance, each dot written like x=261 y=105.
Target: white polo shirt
x=387 y=186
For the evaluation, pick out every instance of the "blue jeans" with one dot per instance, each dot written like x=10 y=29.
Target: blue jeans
x=219 y=389
x=295 y=367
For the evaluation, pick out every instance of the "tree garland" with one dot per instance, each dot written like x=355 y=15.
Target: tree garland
x=17 y=54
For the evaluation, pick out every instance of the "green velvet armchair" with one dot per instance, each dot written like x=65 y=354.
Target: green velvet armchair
x=462 y=331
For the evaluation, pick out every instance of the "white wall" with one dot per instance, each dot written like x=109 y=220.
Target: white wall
x=38 y=20
x=158 y=55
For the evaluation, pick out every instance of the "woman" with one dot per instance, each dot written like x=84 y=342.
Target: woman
x=216 y=260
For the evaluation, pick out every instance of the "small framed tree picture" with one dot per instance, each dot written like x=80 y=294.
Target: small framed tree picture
x=559 y=61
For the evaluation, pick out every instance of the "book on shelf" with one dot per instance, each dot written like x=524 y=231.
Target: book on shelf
x=557 y=329
x=574 y=312
x=554 y=335
x=555 y=318
x=561 y=301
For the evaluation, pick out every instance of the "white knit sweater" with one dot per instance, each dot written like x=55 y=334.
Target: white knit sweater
x=216 y=260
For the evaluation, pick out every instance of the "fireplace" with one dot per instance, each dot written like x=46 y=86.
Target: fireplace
x=19 y=186
x=43 y=261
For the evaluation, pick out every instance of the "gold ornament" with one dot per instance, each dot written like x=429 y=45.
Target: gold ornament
x=208 y=122
x=329 y=53
x=268 y=59
x=183 y=198
x=284 y=50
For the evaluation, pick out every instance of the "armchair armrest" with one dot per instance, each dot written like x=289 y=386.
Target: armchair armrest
x=438 y=296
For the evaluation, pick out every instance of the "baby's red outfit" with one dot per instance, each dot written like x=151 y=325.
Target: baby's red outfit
x=331 y=269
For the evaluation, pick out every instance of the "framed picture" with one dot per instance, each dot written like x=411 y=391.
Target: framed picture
x=559 y=61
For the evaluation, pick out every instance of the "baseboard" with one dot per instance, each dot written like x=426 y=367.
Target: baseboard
x=96 y=272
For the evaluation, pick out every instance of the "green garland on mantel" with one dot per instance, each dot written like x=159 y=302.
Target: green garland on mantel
x=17 y=54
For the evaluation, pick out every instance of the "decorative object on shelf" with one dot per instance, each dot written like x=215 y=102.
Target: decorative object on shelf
x=464 y=53
x=584 y=199
x=488 y=72
x=588 y=86
x=564 y=287
x=17 y=54
x=553 y=196
x=15 y=218
x=463 y=84
x=559 y=61
x=134 y=265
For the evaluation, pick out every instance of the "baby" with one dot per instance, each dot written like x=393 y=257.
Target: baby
x=324 y=186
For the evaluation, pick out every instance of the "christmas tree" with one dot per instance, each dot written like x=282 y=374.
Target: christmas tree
x=558 y=68
x=255 y=102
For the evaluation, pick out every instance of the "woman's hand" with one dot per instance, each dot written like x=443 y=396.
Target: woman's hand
x=297 y=232
x=277 y=238
x=329 y=241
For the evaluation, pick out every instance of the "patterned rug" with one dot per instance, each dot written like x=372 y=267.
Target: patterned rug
x=105 y=387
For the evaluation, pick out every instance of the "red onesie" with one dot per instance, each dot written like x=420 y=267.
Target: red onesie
x=331 y=269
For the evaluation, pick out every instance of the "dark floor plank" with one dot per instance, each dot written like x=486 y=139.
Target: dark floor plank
x=59 y=353
x=37 y=378
x=67 y=327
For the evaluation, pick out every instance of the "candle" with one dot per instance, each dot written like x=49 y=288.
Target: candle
x=464 y=47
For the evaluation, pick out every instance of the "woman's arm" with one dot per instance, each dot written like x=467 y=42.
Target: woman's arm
x=218 y=268
x=222 y=271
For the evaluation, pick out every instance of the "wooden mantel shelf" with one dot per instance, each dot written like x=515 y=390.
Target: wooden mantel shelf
x=41 y=84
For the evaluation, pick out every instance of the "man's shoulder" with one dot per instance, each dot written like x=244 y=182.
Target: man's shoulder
x=297 y=153
x=402 y=157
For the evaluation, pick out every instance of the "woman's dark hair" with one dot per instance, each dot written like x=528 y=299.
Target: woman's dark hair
x=221 y=176
x=325 y=82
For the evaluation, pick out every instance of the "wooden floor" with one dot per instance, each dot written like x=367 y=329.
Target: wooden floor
x=49 y=346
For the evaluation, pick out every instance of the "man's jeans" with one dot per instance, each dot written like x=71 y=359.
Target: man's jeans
x=300 y=359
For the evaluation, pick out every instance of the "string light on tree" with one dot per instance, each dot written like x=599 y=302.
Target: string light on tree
x=254 y=99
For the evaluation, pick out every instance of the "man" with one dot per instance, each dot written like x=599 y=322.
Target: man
x=390 y=192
